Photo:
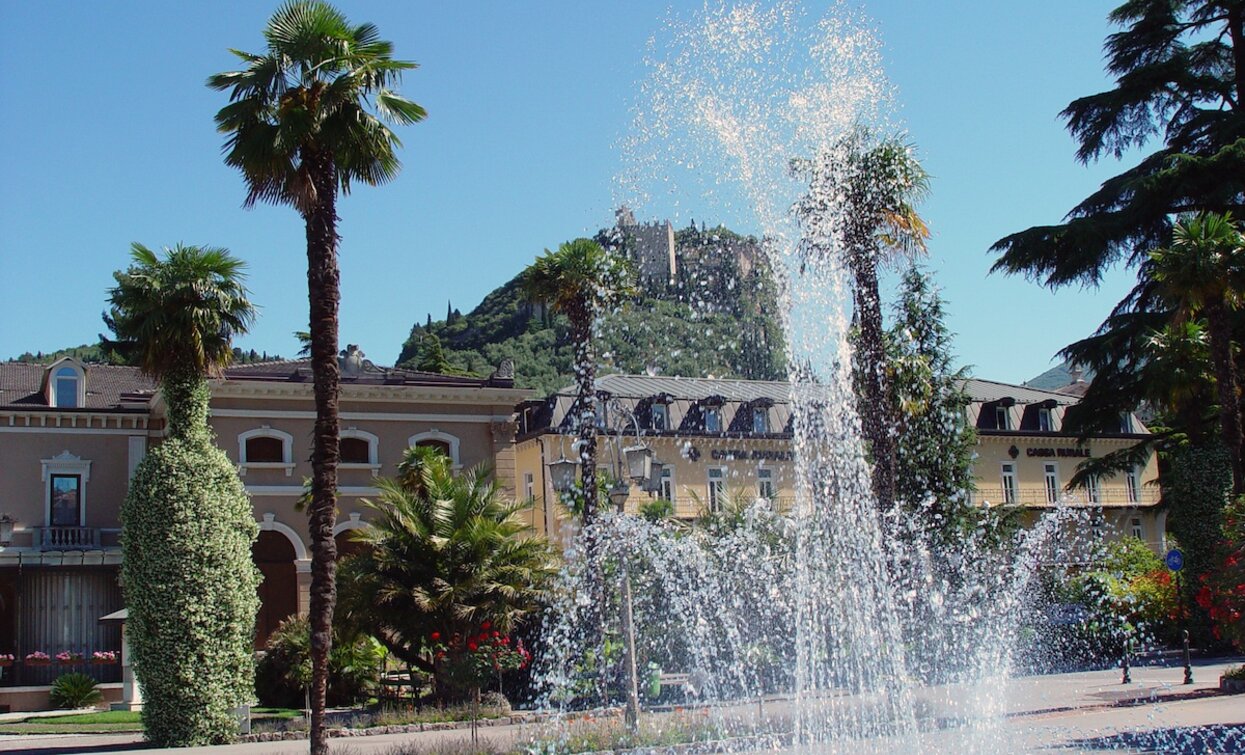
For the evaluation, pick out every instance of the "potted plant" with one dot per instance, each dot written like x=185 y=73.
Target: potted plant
x=104 y=657
x=68 y=657
x=6 y=659
x=1233 y=679
x=38 y=658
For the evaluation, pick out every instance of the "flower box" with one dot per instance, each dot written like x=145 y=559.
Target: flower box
x=68 y=659
x=104 y=658
x=38 y=661
x=6 y=662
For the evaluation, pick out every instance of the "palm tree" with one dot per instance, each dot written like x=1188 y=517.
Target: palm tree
x=176 y=318
x=581 y=280
x=1203 y=272
x=444 y=554
x=187 y=524
x=306 y=120
x=861 y=199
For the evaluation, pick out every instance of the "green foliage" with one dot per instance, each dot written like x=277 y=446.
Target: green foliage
x=87 y=353
x=725 y=326
x=190 y=587
x=1130 y=589
x=282 y=675
x=179 y=313
x=444 y=554
x=74 y=691
x=1196 y=487
x=936 y=445
x=656 y=510
x=1176 y=83
x=1222 y=594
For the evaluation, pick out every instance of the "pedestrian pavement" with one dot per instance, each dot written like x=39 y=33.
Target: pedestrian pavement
x=1054 y=713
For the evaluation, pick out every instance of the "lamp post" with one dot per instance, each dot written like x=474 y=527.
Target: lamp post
x=632 y=464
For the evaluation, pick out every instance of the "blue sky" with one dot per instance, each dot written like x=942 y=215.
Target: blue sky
x=109 y=139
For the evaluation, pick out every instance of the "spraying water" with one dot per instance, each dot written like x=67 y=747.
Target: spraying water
x=837 y=610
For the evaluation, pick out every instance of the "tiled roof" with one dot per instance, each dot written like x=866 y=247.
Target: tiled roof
x=990 y=390
x=107 y=387
x=693 y=389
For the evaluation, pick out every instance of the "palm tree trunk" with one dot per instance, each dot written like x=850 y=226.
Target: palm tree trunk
x=1226 y=385
x=876 y=417
x=323 y=289
x=585 y=403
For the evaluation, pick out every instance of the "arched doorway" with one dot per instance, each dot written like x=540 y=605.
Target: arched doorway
x=274 y=554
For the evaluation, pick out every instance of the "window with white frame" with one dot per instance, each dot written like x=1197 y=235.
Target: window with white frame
x=66 y=388
x=1135 y=527
x=442 y=441
x=65 y=477
x=667 y=483
x=713 y=419
x=765 y=483
x=360 y=450
x=1092 y=490
x=1046 y=421
x=266 y=448
x=529 y=486
x=1132 y=485
x=1002 y=418
x=660 y=417
x=1009 y=483
x=1126 y=422
x=1050 y=472
x=717 y=488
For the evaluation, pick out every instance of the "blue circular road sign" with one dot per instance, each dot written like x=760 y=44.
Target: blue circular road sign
x=1174 y=559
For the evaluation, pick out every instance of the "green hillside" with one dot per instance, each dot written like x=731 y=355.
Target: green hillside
x=713 y=319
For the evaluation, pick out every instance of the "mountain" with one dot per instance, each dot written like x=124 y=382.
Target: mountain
x=707 y=307
x=1057 y=377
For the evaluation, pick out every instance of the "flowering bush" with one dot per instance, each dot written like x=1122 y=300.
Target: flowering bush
x=6 y=659
x=103 y=656
x=38 y=657
x=1222 y=593
x=468 y=660
x=69 y=656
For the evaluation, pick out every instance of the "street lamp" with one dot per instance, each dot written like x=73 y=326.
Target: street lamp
x=562 y=474
x=653 y=483
x=639 y=462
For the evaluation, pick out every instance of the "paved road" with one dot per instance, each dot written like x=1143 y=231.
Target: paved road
x=1058 y=713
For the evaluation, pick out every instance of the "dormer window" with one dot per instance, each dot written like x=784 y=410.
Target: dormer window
x=1002 y=418
x=660 y=417
x=1046 y=422
x=760 y=420
x=1126 y=422
x=713 y=419
x=66 y=385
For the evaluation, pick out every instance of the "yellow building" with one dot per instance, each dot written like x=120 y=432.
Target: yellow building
x=1025 y=458
x=720 y=440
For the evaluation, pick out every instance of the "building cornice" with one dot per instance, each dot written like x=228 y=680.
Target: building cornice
x=79 y=420
x=405 y=394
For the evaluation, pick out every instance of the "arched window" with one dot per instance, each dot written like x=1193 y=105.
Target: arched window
x=66 y=385
x=266 y=448
x=359 y=450
x=446 y=443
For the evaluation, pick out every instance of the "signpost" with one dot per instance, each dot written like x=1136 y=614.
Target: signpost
x=1175 y=562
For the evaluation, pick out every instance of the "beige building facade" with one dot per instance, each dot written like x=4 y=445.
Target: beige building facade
x=730 y=440
x=71 y=436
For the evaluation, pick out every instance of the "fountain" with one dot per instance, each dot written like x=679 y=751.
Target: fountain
x=838 y=625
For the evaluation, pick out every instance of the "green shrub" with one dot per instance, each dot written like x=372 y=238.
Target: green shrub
x=1234 y=672
x=74 y=691
x=284 y=672
x=190 y=584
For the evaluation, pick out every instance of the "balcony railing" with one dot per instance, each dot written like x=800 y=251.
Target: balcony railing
x=69 y=538
x=1114 y=497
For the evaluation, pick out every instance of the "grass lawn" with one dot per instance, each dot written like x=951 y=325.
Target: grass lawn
x=111 y=721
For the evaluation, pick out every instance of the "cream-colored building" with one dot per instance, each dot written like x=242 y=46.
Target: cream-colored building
x=720 y=439
x=72 y=434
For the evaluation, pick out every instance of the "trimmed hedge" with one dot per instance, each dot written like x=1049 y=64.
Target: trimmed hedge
x=189 y=581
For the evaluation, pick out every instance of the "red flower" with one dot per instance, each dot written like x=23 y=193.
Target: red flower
x=486 y=625
x=505 y=640
x=435 y=636
x=496 y=634
x=472 y=646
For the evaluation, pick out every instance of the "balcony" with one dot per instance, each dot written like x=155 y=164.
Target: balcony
x=68 y=538
x=1107 y=497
